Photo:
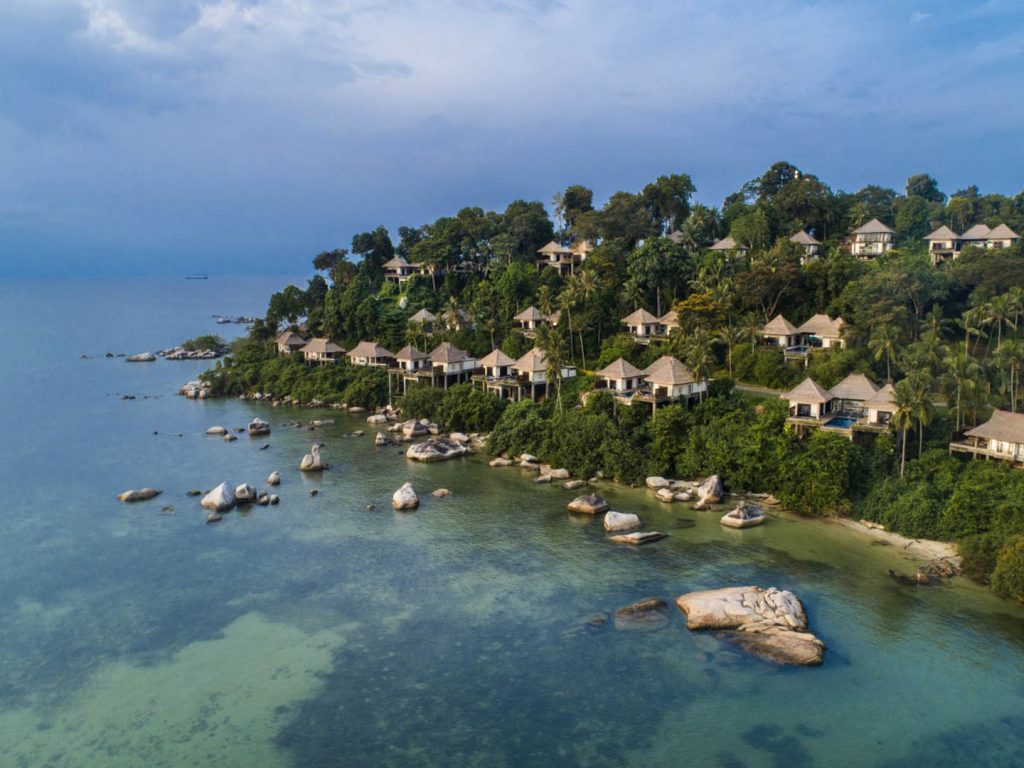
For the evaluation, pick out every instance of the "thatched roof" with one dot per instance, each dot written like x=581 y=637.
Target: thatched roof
x=369 y=349
x=943 y=233
x=667 y=371
x=582 y=248
x=533 y=361
x=873 y=227
x=530 y=313
x=396 y=262
x=1003 y=232
x=322 y=347
x=886 y=396
x=807 y=391
x=423 y=316
x=977 y=232
x=823 y=326
x=1003 y=425
x=803 y=238
x=640 y=317
x=620 y=369
x=447 y=353
x=496 y=359
x=670 y=319
x=856 y=386
x=291 y=338
x=727 y=244
x=553 y=248
x=409 y=352
x=555 y=317
x=779 y=326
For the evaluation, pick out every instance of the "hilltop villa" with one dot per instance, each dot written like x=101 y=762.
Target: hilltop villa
x=368 y=353
x=564 y=259
x=944 y=243
x=620 y=377
x=530 y=319
x=322 y=351
x=399 y=270
x=779 y=332
x=819 y=332
x=642 y=326
x=1001 y=437
x=728 y=245
x=872 y=239
x=854 y=404
x=811 y=246
x=289 y=342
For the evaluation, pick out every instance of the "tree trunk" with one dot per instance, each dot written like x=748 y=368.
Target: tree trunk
x=903 y=458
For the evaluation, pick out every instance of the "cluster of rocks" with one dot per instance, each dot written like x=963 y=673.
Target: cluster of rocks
x=194 y=390
x=769 y=623
x=239 y=320
x=931 y=572
x=545 y=472
x=142 y=357
x=614 y=522
x=223 y=498
x=437 y=449
x=707 y=492
x=180 y=353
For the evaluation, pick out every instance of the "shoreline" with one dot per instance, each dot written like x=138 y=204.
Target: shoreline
x=921 y=549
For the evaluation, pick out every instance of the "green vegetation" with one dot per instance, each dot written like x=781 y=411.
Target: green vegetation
x=203 y=343
x=951 y=333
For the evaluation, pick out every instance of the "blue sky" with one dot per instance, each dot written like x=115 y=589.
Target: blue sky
x=226 y=136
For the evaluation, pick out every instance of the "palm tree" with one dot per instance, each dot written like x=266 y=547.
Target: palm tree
x=697 y=355
x=998 y=312
x=731 y=336
x=545 y=300
x=903 y=417
x=1010 y=358
x=584 y=288
x=962 y=372
x=550 y=343
x=936 y=323
x=971 y=323
x=883 y=343
x=923 y=408
x=751 y=328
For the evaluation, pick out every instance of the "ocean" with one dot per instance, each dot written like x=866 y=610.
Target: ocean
x=322 y=633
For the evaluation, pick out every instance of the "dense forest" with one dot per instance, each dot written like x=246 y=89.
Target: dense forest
x=949 y=336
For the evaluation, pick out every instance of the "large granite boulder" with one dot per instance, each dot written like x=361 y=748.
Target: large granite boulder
x=654 y=483
x=405 y=498
x=258 y=427
x=588 y=504
x=665 y=494
x=436 y=449
x=245 y=494
x=768 y=622
x=140 y=494
x=709 y=492
x=274 y=478
x=620 y=521
x=500 y=461
x=220 y=499
x=414 y=428
x=312 y=462
x=144 y=357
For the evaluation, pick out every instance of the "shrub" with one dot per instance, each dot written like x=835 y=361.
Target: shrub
x=521 y=429
x=979 y=553
x=465 y=407
x=421 y=402
x=1008 y=576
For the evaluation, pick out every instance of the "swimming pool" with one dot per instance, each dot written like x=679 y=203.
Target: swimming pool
x=840 y=422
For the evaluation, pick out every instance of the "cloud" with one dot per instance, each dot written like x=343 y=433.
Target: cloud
x=918 y=16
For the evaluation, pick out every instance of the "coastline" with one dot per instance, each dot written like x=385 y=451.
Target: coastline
x=921 y=549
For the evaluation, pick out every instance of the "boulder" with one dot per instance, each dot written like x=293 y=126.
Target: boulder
x=644 y=615
x=214 y=517
x=528 y=457
x=684 y=496
x=312 y=462
x=572 y=485
x=531 y=465
x=709 y=492
x=381 y=440
x=274 y=478
x=321 y=422
x=413 y=428
x=459 y=437
x=542 y=479
x=637 y=537
x=230 y=438
x=220 y=499
x=558 y=474
x=193 y=492
x=258 y=427
x=377 y=418
x=655 y=483
x=941 y=567
x=589 y=504
x=275 y=499
x=263 y=499
x=620 y=521
x=778 y=618
x=665 y=494
x=500 y=461
x=405 y=498
x=436 y=449
x=245 y=494
x=217 y=431
x=140 y=494
x=441 y=493
x=143 y=357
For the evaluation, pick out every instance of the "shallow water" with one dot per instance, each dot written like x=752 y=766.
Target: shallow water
x=318 y=633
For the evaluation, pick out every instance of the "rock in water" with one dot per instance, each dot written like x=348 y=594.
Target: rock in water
x=274 y=478
x=214 y=517
x=441 y=493
x=143 y=357
x=217 y=431
x=258 y=427
x=665 y=494
x=644 y=615
x=558 y=474
x=655 y=483
x=381 y=440
x=620 y=521
x=590 y=504
x=638 y=537
x=572 y=485
x=709 y=492
x=769 y=623
x=220 y=499
x=413 y=428
x=275 y=499
x=501 y=461
x=138 y=495
x=245 y=494
x=312 y=462
x=436 y=449
x=405 y=498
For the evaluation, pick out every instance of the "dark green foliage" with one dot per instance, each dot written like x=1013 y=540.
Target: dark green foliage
x=1008 y=576
x=522 y=428
x=979 y=553
x=816 y=479
x=466 y=408
x=201 y=343
x=421 y=402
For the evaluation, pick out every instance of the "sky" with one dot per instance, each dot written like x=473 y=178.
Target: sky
x=245 y=136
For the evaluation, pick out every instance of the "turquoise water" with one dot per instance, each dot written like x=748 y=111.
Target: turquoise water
x=318 y=633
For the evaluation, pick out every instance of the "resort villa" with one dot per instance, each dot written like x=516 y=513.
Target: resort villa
x=811 y=246
x=531 y=372
x=1001 y=437
x=399 y=270
x=322 y=351
x=642 y=326
x=669 y=381
x=409 y=360
x=620 y=377
x=423 y=320
x=558 y=256
x=530 y=319
x=944 y=243
x=450 y=365
x=780 y=332
x=669 y=322
x=368 y=353
x=854 y=404
x=728 y=245
x=872 y=239
x=289 y=342
x=819 y=332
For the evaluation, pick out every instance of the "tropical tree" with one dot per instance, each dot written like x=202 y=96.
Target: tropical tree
x=884 y=342
x=998 y=311
x=922 y=407
x=960 y=378
x=903 y=418
x=549 y=341
x=731 y=336
x=1010 y=359
x=696 y=351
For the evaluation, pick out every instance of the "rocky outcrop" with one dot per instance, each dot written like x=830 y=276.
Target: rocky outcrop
x=217 y=431
x=645 y=615
x=501 y=461
x=572 y=485
x=413 y=428
x=637 y=537
x=459 y=437
x=140 y=494
x=220 y=499
x=258 y=427
x=620 y=521
x=274 y=478
x=245 y=494
x=381 y=440
x=768 y=622
x=436 y=449
x=655 y=483
x=441 y=493
x=709 y=492
x=143 y=357
x=555 y=474
x=589 y=504
x=405 y=498
x=665 y=494
x=312 y=462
